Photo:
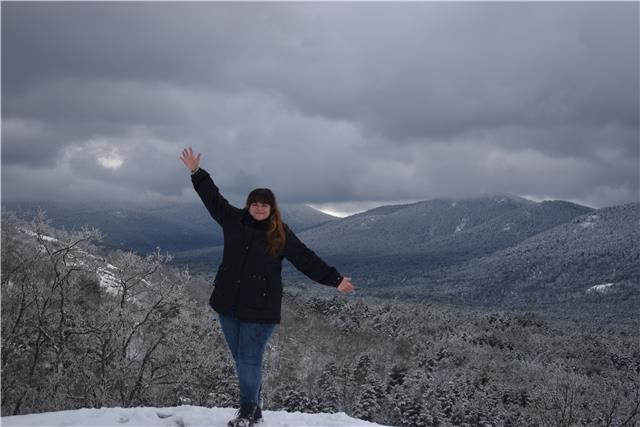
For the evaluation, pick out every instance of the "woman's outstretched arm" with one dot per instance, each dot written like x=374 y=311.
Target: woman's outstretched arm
x=219 y=208
x=305 y=260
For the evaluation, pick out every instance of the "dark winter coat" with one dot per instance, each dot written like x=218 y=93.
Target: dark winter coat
x=248 y=281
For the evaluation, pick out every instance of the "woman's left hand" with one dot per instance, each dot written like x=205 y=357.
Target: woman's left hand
x=345 y=285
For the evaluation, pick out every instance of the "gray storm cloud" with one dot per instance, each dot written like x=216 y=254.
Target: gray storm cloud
x=326 y=103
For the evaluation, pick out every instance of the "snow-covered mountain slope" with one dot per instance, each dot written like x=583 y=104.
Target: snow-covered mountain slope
x=424 y=238
x=180 y=416
x=503 y=231
x=448 y=224
x=580 y=256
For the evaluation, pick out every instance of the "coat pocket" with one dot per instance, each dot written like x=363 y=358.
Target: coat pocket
x=219 y=279
x=258 y=291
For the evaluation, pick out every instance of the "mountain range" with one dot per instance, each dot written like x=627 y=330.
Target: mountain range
x=499 y=249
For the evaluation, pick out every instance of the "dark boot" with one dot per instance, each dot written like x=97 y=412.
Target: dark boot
x=244 y=416
x=257 y=417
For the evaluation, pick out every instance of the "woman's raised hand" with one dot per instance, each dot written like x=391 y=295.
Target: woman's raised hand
x=190 y=161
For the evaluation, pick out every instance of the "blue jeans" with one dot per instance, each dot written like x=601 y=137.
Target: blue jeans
x=247 y=342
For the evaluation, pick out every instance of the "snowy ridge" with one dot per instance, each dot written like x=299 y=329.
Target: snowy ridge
x=462 y=224
x=589 y=222
x=604 y=288
x=179 y=416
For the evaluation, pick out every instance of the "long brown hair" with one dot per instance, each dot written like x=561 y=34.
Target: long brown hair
x=275 y=230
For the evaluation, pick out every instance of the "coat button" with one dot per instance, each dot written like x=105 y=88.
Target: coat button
x=246 y=248
x=238 y=281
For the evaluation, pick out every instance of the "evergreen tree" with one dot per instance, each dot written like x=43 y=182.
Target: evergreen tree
x=328 y=389
x=346 y=387
x=371 y=400
x=297 y=400
x=415 y=414
x=367 y=406
x=396 y=377
x=362 y=369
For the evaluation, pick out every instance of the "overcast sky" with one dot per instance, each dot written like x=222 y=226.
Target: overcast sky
x=343 y=106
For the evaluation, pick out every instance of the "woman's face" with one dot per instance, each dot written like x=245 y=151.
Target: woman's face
x=260 y=211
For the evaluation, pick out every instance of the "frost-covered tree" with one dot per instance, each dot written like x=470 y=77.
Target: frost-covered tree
x=371 y=400
x=396 y=376
x=327 y=389
x=83 y=331
x=362 y=369
x=297 y=400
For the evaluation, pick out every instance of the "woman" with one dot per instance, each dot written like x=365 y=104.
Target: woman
x=247 y=291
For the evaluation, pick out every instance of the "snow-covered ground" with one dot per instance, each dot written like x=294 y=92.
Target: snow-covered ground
x=179 y=416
